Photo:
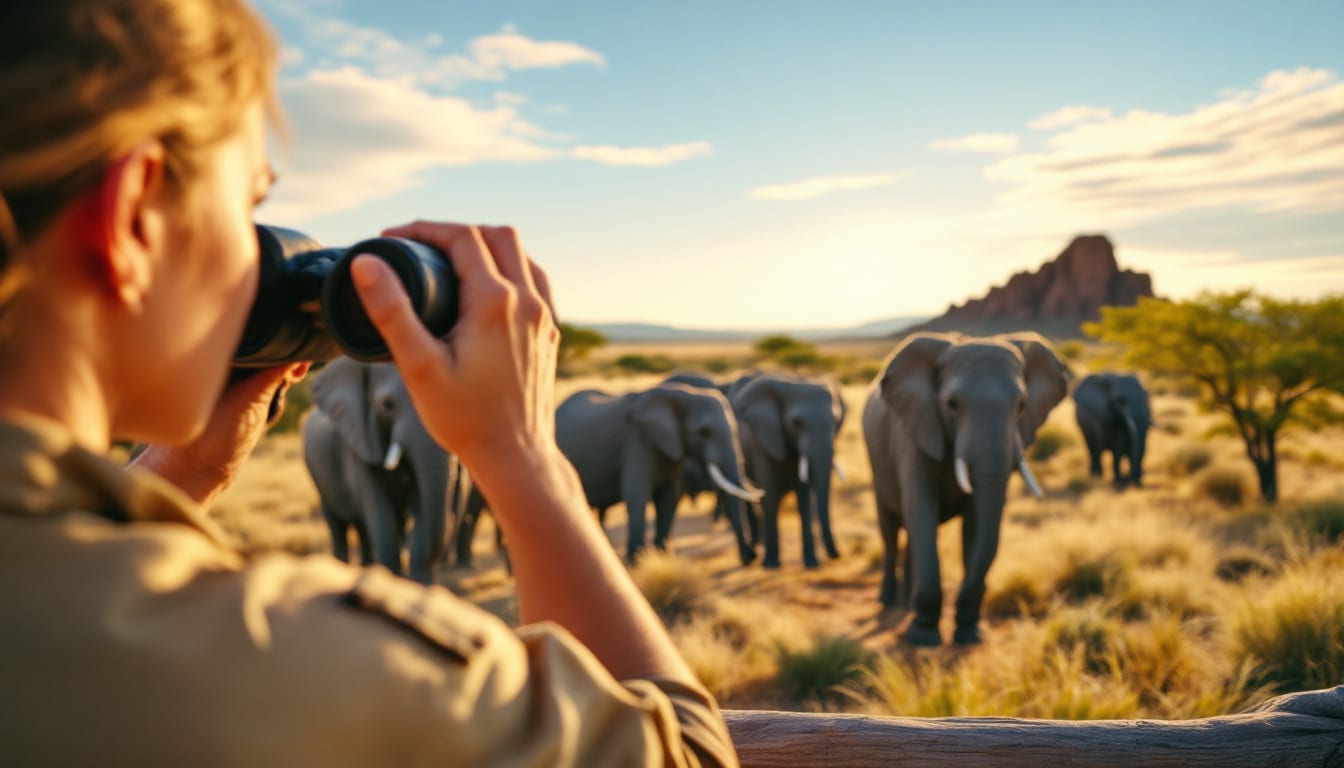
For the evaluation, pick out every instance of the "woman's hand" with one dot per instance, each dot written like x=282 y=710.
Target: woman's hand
x=210 y=463
x=487 y=390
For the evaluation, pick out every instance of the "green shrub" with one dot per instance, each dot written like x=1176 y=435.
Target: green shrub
x=646 y=363
x=817 y=673
x=1189 y=459
x=1049 y=441
x=1071 y=350
x=1294 y=630
x=1227 y=486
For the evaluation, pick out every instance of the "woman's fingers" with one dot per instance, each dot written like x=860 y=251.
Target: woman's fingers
x=462 y=244
x=388 y=306
x=507 y=251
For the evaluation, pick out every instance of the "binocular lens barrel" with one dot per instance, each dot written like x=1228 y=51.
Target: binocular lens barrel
x=307 y=308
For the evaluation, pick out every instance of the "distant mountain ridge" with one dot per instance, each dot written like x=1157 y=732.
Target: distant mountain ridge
x=1056 y=299
x=631 y=333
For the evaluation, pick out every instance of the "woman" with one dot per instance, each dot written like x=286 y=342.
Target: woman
x=131 y=155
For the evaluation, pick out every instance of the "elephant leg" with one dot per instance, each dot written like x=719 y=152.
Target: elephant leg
x=664 y=512
x=972 y=592
x=383 y=528
x=340 y=542
x=1094 y=450
x=753 y=516
x=636 y=490
x=888 y=522
x=1117 y=475
x=770 y=528
x=926 y=587
x=803 y=492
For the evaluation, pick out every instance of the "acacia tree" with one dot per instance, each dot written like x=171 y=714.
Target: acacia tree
x=1267 y=363
x=576 y=343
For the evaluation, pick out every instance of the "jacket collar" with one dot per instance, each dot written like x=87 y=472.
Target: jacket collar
x=43 y=471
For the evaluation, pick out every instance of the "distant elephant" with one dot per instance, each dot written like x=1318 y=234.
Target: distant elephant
x=1114 y=416
x=376 y=468
x=788 y=429
x=695 y=478
x=945 y=424
x=632 y=448
x=464 y=532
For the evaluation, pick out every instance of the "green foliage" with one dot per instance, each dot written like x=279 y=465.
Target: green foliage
x=792 y=353
x=817 y=673
x=635 y=363
x=298 y=400
x=1072 y=351
x=1260 y=360
x=1225 y=485
x=1320 y=519
x=770 y=346
x=577 y=343
x=1049 y=441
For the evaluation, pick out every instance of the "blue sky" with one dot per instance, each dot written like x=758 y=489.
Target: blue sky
x=783 y=164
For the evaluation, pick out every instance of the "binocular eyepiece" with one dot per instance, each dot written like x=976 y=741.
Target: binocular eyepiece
x=307 y=309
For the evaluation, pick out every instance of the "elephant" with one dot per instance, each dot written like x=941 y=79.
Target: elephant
x=632 y=448
x=945 y=424
x=788 y=429
x=1113 y=414
x=695 y=479
x=376 y=467
x=464 y=532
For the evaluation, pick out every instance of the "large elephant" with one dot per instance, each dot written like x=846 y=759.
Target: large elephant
x=695 y=478
x=376 y=468
x=945 y=424
x=632 y=448
x=1113 y=414
x=788 y=429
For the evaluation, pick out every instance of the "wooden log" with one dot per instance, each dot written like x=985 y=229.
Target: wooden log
x=1297 y=729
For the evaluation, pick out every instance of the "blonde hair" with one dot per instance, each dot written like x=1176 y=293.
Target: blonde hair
x=83 y=81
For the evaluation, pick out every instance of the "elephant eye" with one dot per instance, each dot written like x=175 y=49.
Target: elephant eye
x=705 y=432
x=389 y=404
x=953 y=404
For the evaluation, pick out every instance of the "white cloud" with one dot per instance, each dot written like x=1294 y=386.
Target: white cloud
x=343 y=157
x=512 y=99
x=1069 y=116
x=808 y=189
x=510 y=50
x=989 y=143
x=1277 y=148
x=642 y=156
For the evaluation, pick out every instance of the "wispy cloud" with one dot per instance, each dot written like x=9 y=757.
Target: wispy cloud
x=1069 y=116
x=1276 y=148
x=348 y=157
x=820 y=186
x=642 y=156
x=988 y=143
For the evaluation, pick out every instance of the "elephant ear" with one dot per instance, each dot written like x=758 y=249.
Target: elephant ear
x=758 y=407
x=1046 y=383
x=656 y=417
x=1092 y=395
x=838 y=407
x=341 y=391
x=910 y=387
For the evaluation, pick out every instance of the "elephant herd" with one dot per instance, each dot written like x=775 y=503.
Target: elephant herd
x=946 y=424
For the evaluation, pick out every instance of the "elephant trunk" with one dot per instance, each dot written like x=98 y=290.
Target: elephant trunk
x=729 y=475
x=822 y=460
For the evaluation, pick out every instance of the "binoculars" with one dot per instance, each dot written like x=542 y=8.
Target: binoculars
x=307 y=309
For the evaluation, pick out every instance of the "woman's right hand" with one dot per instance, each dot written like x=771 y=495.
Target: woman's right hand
x=487 y=389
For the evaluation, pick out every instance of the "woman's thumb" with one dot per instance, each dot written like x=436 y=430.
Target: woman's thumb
x=389 y=308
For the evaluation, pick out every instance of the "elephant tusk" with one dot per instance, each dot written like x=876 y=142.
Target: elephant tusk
x=393 y=459
x=728 y=487
x=963 y=476
x=802 y=469
x=1133 y=429
x=840 y=472
x=1030 y=479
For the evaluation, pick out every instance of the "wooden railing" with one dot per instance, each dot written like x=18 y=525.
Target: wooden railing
x=1304 y=729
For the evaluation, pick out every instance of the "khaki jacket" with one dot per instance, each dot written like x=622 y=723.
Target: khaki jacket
x=130 y=634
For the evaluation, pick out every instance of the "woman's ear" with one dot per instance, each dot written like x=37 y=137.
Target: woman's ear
x=119 y=224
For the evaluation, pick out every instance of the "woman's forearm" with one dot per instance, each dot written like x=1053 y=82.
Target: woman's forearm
x=567 y=572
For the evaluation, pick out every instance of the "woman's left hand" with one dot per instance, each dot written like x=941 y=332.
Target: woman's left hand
x=206 y=466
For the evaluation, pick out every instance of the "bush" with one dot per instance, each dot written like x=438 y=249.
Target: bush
x=1049 y=441
x=1189 y=459
x=1321 y=519
x=1078 y=485
x=646 y=363
x=674 y=587
x=1241 y=561
x=1227 y=486
x=1088 y=575
x=1294 y=631
x=815 y=674
x=1071 y=351
x=1089 y=631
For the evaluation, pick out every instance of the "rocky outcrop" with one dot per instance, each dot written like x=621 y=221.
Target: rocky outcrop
x=1055 y=299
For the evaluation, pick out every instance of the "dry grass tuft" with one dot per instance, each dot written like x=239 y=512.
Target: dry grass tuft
x=817 y=674
x=1226 y=485
x=1293 y=629
x=675 y=588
